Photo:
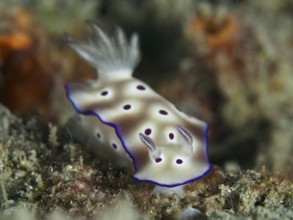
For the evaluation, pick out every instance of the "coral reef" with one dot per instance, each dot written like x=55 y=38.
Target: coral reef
x=226 y=62
x=36 y=182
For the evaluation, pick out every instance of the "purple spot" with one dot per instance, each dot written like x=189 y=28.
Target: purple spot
x=179 y=161
x=140 y=87
x=104 y=93
x=99 y=135
x=158 y=160
x=114 y=145
x=163 y=112
x=148 y=131
x=171 y=136
x=127 y=107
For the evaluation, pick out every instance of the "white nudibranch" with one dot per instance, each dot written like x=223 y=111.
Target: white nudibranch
x=167 y=147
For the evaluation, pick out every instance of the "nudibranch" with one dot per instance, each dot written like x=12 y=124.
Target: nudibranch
x=167 y=147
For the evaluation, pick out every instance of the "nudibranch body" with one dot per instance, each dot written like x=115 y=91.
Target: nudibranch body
x=167 y=147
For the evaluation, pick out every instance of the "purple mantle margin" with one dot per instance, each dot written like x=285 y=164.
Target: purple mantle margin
x=117 y=130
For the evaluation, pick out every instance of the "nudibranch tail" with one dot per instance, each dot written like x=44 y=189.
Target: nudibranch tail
x=113 y=57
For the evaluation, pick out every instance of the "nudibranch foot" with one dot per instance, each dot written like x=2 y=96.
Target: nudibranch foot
x=190 y=213
x=167 y=191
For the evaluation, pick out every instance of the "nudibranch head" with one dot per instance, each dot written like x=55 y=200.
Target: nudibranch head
x=176 y=164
